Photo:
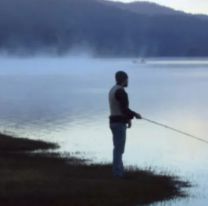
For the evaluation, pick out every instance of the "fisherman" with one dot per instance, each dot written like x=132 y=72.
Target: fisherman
x=120 y=120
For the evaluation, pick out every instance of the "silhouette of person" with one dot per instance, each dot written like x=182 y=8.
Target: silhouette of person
x=120 y=120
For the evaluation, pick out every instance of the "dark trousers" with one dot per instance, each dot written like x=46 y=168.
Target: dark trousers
x=119 y=140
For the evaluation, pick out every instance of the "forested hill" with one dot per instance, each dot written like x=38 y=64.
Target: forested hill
x=103 y=27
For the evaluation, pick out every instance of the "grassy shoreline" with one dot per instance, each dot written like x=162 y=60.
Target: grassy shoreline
x=48 y=179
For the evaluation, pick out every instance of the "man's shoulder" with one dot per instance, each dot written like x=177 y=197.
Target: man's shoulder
x=116 y=88
x=121 y=90
x=121 y=93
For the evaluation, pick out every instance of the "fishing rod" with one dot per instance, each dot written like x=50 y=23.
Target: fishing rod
x=176 y=130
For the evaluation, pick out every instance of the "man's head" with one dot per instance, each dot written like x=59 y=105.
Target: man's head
x=121 y=78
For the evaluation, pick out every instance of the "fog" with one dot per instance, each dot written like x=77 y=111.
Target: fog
x=37 y=26
x=56 y=28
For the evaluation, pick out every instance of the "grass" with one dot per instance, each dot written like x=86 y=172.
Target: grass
x=49 y=179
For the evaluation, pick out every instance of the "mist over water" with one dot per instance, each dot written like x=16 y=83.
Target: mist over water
x=65 y=100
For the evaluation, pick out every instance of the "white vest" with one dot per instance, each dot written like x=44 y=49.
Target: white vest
x=114 y=104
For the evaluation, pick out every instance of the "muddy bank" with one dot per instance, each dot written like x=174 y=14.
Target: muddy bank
x=48 y=179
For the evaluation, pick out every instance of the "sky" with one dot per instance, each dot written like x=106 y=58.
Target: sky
x=190 y=6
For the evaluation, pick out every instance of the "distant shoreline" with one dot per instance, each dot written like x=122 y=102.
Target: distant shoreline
x=46 y=179
x=85 y=55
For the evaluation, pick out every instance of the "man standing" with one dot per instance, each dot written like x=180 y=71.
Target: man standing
x=120 y=119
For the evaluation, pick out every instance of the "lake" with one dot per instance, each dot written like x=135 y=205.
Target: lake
x=65 y=100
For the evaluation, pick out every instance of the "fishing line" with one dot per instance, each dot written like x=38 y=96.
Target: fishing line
x=174 y=129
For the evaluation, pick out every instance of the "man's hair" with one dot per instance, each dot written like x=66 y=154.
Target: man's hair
x=121 y=76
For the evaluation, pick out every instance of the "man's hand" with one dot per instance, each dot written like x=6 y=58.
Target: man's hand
x=138 y=116
x=129 y=124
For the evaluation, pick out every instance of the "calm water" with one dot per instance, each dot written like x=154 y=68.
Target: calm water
x=65 y=100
